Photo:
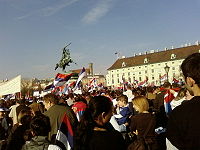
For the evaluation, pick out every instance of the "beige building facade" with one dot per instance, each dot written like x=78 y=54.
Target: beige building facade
x=149 y=65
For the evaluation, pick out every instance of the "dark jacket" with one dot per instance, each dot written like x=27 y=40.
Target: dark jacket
x=183 y=129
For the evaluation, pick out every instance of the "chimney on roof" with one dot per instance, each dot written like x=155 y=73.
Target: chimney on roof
x=197 y=42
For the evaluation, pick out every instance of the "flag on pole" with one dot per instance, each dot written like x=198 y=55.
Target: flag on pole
x=65 y=134
x=80 y=77
x=143 y=83
x=175 y=80
x=93 y=82
x=61 y=79
x=163 y=78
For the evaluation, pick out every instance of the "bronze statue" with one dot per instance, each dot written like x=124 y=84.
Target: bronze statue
x=65 y=60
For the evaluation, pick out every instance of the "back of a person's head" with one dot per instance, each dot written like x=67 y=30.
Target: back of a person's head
x=167 y=85
x=23 y=112
x=40 y=125
x=25 y=120
x=98 y=105
x=191 y=67
x=123 y=98
x=141 y=102
x=52 y=98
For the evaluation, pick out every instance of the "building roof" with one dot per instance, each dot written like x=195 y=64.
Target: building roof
x=87 y=70
x=156 y=57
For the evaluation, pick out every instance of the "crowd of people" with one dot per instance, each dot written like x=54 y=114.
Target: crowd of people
x=164 y=117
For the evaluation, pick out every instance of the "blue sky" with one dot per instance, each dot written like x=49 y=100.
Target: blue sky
x=33 y=32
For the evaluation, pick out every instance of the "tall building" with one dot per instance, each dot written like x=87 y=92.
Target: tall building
x=150 y=64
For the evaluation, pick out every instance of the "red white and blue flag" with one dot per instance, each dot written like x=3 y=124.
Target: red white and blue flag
x=168 y=97
x=80 y=77
x=163 y=78
x=93 y=83
x=61 y=79
x=65 y=134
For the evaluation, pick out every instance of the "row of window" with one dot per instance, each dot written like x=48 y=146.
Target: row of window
x=153 y=65
x=152 y=71
x=139 y=78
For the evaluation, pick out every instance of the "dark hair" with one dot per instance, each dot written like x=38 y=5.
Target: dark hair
x=40 y=125
x=123 y=98
x=97 y=105
x=191 y=67
x=51 y=98
x=166 y=85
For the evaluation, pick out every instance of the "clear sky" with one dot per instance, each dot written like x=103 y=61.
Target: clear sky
x=33 y=32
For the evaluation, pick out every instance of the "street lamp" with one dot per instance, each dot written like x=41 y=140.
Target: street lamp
x=167 y=71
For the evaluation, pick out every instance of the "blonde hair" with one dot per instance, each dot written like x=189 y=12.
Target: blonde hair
x=141 y=102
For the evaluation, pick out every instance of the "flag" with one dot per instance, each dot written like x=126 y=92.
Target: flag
x=49 y=87
x=93 y=83
x=9 y=96
x=175 y=80
x=163 y=78
x=65 y=134
x=80 y=77
x=61 y=79
x=168 y=97
x=79 y=109
x=143 y=83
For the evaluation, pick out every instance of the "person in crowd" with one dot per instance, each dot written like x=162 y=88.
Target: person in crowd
x=179 y=98
x=79 y=106
x=122 y=117
x=70 y=100
x=56 y=112
x=36 y=107
x=129 y=93
x=16 y=138
x=40 y=127
x=94 y=131
x=21 y=106
x=144 y=121
x=4 y=126
x=13 y=113
x=183 y=125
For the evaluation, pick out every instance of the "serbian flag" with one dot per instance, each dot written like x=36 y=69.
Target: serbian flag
x=65 y=134
x=80 y=77
x=143 y=83
x=175 y=80
x=168 y=97
x=163 y=78
x=61 y=79
x=93 y=83
x=79 y=109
